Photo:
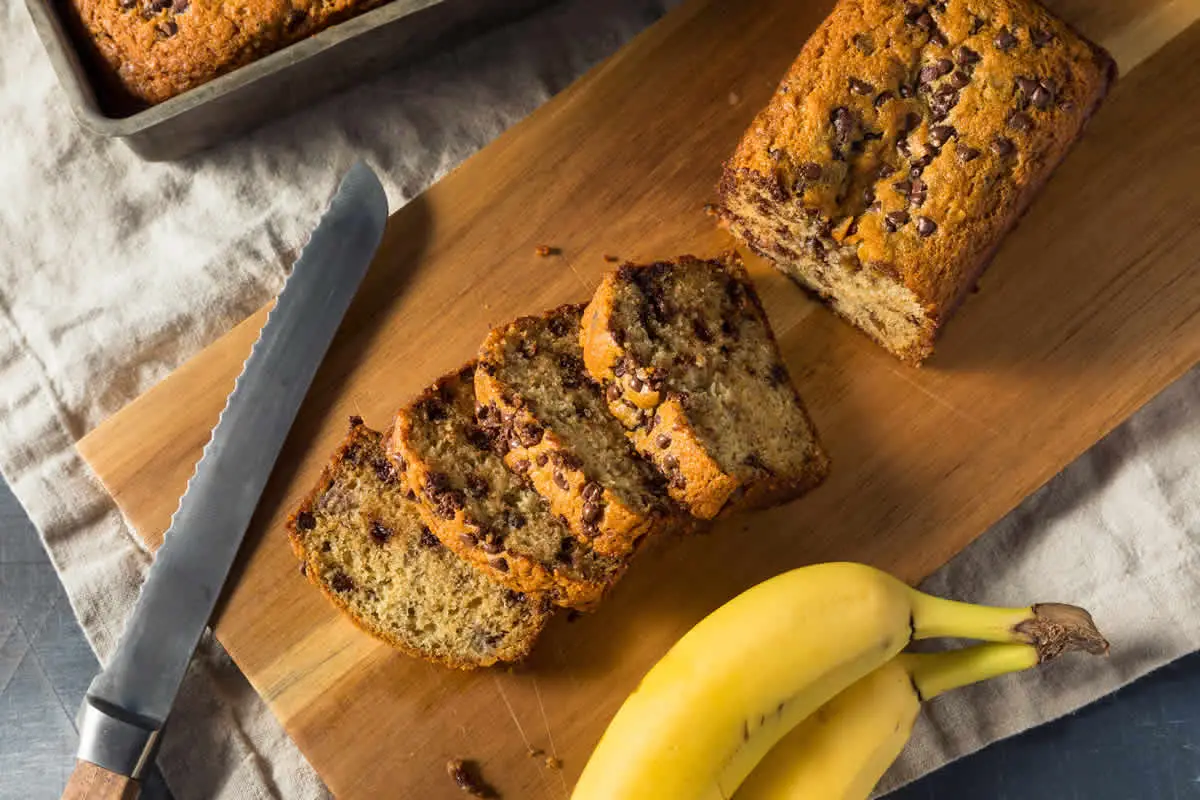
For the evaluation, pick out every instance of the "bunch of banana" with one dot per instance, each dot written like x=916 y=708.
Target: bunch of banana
x=752 y=671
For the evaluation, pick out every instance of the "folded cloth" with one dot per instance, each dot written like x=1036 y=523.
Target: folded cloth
x=113 y=271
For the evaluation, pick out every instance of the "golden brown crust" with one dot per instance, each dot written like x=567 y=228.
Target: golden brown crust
x=658 y=422
x=311 y=569
x=550 y=463
x=460 y=533
x=980 y=99
x=157 y=49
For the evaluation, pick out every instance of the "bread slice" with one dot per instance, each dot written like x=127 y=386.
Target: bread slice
x=486 y=513
x=551 y=422
x=363 y=542
x=692 y=369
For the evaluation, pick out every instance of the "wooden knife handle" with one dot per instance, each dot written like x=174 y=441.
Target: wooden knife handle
x=90 y=782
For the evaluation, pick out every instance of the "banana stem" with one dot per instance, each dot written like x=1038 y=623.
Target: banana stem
x=1052 y=628
x=935 y=673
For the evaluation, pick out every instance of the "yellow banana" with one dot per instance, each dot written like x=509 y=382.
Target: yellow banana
x=841 y=751
x=744 y=676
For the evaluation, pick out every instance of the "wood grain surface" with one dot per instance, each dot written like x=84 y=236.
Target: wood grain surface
x=1091 y=307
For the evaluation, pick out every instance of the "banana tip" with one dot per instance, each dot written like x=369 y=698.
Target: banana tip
x=1057 y=628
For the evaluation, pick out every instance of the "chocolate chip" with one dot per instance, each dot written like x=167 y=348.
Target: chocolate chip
x=926 y=226
x=529 y=433
x=912 y=12
x=559 y=326
x=613 y=393
x=925 y=22
x=911 y=121
x=341 y=582
x=895 y=220
x=380 y=532
x=1004 y=40
x=885 y=170
x=929 y=73
x=521 y=466
x=1039 y=37
x=499 y=564
x=905 y=91
x=778 y=374
x=967 y=154
x=295 y=17
x=903 y=187
x=303 y=568
x=965 y=56
x=180 y=6
x=959 y=79
x=468 y=539
x=859 y=86
x=883 y=98
x=868 y=195
x=810 y=171
x=159 y=5
x=560 y=480
x=670 y=461
x=977 y=24
x=864 y=43
x=663 y=441
x=165 y=30
x=384 y=470
x=492 y=546
x=591 y=491
x=326 y=546
x=541 y=459
x=515 y=520
x=917 y=195
x=477 y=486
x=940 y=134
x=592 y=512
x=938 y=38
x=128 y=5
x=636 y=383
x=1042 y=98
x=843 y=124
x=944 y=66
x=1026 y=86
x=1002 y=146
x=513 y=598
x=942 y=101
x=852 y=228
x=305 y=521
x=428 y=539
x=1020 y=121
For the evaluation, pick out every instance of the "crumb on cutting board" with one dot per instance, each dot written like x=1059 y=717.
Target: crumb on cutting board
x=612 y=259
x=535 y=752
x=553 y=762
x=710 y=209
x=467 y=777
x=544 y=250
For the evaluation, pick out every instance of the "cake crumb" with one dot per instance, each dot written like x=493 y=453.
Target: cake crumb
x=553 y=762
x=466 y=777
x=544 y=250
x=710 y=209
x=535 y=752
x=612 y=259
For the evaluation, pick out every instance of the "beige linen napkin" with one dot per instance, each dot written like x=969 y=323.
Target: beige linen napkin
x=113 y=271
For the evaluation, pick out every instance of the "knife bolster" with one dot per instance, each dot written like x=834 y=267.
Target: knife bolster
x=115 y=739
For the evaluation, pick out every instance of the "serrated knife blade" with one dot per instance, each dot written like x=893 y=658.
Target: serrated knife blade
x=130 y=700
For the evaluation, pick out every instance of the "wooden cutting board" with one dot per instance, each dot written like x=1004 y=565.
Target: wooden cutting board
x=1090 y=308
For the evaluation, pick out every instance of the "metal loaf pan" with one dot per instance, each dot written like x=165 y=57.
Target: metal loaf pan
x=275 y=85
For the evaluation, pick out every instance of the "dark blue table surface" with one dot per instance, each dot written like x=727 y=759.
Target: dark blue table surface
x=1142 y=743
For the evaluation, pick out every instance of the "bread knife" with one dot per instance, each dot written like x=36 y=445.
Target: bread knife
x=128 y=703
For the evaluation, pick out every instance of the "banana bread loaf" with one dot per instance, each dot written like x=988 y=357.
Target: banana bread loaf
x=691 y=367
x=486 y=513
x=901 y=146
x=157 y=49
x=362 y=540
x=550 y=420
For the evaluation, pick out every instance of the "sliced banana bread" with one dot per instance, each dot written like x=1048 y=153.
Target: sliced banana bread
x=486 y=513
x=363 y=542
x=692 y=369
x=550 y=420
